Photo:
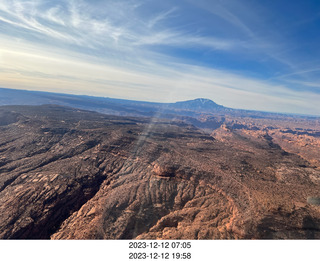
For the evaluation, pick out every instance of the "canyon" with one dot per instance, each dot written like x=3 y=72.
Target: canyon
x=70 y=173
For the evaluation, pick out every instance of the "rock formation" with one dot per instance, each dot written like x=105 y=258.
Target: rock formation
x=72 y=174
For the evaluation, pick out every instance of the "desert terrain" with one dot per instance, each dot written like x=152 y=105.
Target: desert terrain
x=189 y=171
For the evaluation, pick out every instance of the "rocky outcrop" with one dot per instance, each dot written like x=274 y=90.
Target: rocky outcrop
x=72 y=174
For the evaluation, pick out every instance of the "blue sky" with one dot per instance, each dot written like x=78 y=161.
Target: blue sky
x=250 y=54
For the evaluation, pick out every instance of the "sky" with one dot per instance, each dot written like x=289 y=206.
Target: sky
x=248 y=54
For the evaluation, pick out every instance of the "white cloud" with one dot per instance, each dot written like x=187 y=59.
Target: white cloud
x=53 y=15
x=75 y=47
x=33 y=67
x=161 y=16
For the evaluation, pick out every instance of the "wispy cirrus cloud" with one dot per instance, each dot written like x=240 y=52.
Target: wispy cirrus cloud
x=74 y=24
x=228 y=51
x=161 y=16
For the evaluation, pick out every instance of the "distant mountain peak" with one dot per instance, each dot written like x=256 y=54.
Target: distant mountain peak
x=199 y=104
x=204 y=101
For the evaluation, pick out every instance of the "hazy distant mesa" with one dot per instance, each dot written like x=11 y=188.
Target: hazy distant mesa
x=187 y=170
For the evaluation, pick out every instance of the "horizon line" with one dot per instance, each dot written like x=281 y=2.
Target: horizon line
x=160 y=103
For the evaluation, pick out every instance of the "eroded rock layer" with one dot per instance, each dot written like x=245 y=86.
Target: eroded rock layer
x=72 y=174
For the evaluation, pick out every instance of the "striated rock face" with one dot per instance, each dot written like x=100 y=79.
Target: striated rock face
x=72 y=174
